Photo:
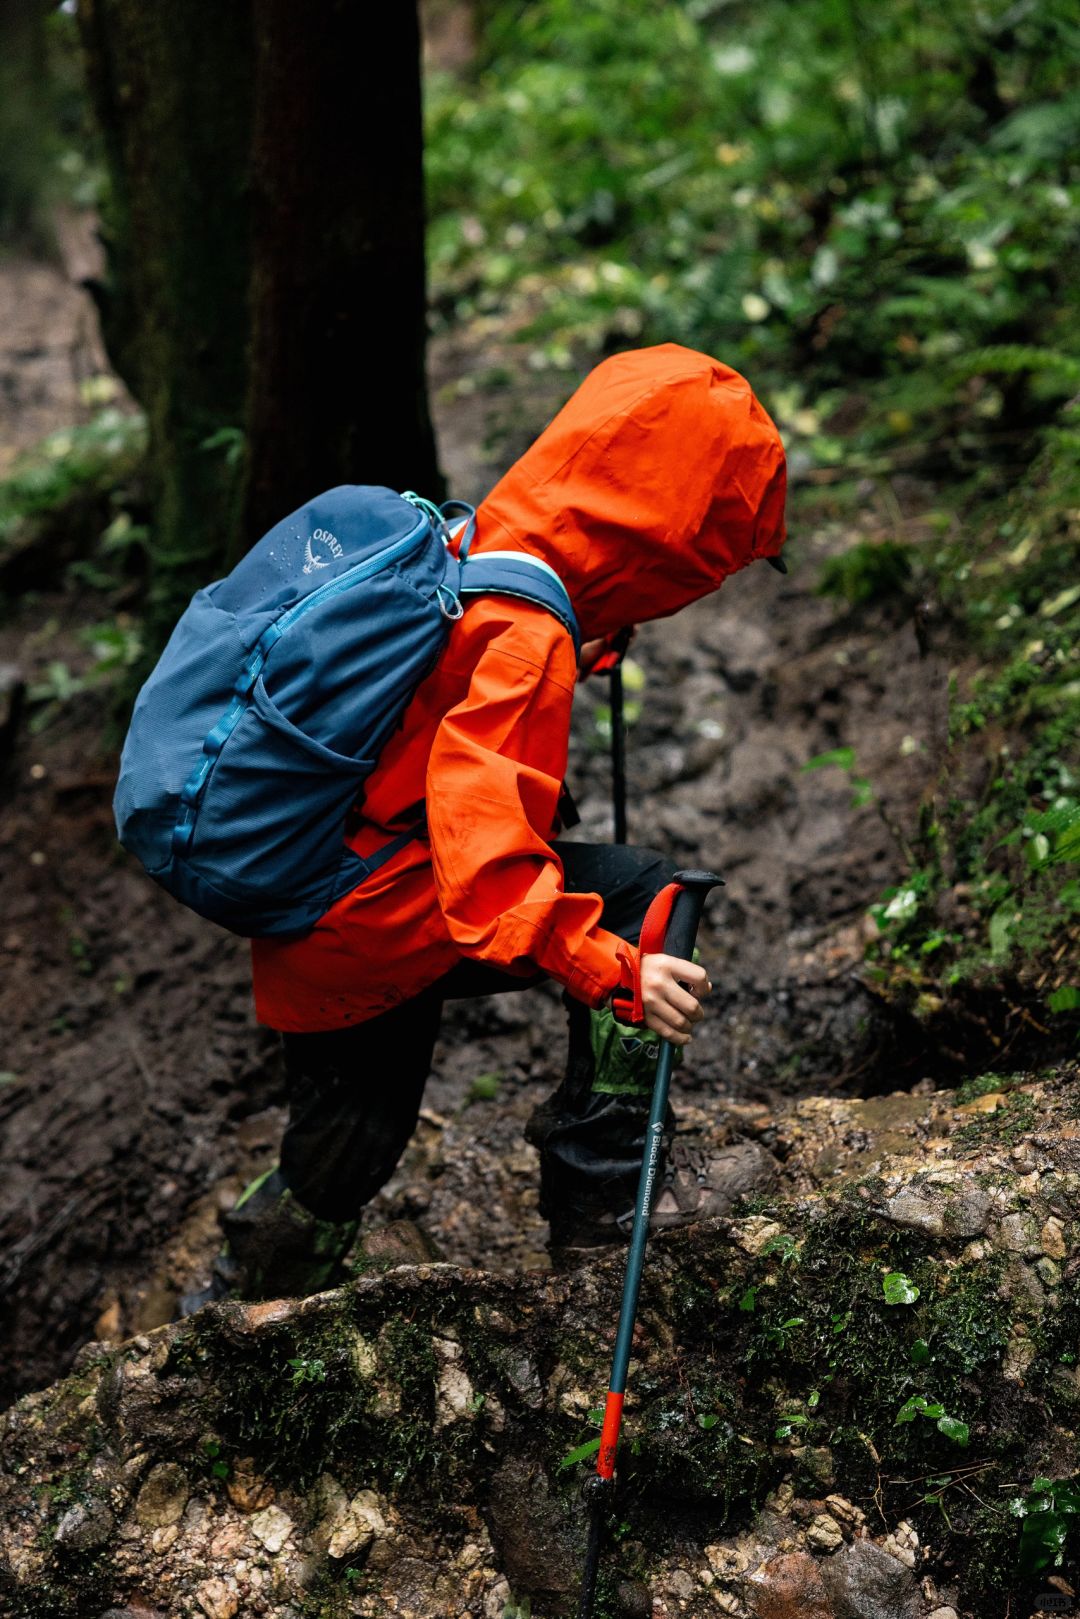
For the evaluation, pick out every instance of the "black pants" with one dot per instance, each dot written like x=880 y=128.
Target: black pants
x=355 y=1093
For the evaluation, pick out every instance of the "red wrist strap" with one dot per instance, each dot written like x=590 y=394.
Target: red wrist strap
x=626 y=998
x=655 y=926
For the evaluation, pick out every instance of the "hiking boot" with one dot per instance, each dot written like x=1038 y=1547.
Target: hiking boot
x=275 y=1248
x=698 y=1182
x=701 y=1183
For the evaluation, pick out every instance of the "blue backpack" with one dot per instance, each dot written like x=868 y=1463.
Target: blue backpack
x=253 y=737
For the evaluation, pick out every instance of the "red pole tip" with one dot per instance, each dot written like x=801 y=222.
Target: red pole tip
x=609 y=1435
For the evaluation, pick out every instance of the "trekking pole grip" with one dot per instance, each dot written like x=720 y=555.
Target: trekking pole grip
x=686 y=912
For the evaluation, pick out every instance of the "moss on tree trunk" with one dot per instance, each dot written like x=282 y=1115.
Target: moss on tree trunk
x=171 y=86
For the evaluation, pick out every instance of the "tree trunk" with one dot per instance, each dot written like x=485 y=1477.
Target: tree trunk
x=25 y=135
x=171 y=86
x=337 y=383
x=291 y=312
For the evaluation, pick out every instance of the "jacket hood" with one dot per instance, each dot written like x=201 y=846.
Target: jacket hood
x=661 y=476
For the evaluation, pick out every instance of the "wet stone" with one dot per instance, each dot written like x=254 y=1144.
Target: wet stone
x=788 y=1586
x=247 y=1489
x=864 y=1582
x=272 y=1528
x=968 y=1214
x=85 y=1526
x=634 y=1600
x=825 y=1534
x=163 y=1497
x=216 y=1600
x=358 y=1526
x=915 y=1212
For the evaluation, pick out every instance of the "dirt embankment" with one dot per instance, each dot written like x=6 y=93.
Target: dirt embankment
x=832 y=1400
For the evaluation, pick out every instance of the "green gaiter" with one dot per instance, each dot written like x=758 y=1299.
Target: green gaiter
x=624 y=1056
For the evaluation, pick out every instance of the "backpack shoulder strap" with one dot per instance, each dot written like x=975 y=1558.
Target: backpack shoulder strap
x=516 y=573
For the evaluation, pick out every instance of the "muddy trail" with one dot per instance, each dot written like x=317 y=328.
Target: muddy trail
x=138 y=1093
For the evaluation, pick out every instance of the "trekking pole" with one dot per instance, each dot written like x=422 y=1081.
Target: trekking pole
x=610 y=663
x=618 y=753
x=692 y=887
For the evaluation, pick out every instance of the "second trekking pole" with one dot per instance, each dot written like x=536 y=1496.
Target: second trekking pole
x=618 y=753
x=691 y=889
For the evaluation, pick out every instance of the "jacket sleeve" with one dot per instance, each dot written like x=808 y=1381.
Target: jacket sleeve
x=493 y=780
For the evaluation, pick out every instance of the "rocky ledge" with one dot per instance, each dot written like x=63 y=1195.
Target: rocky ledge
x=854 y=1398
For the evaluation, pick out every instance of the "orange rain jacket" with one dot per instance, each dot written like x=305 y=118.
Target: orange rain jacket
x=659 y=478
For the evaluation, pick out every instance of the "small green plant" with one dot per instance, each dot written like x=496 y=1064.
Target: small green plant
x=783 y=1247
x=484 y=1088
x=778 y=1334
x=95 y=456
x=898 y=1288
x=933 y=1411
x=1050 y=1511
x=115 y=648
x=216 y=1463
x=307 y=1371
x=589 y=1447
x=984 y=1085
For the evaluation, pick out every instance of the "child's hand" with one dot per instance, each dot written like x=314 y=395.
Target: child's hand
x=590 y=651
x=671 y=993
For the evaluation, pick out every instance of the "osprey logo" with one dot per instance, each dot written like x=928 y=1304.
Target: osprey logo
x=321 y=536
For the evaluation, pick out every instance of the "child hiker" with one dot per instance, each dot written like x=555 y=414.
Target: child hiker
x=659 y=478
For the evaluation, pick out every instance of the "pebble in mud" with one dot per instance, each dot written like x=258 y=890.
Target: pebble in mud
x=217 y=1600
x=865 y=1582
x=788 y=1586
x=84 y=1527
x=360 y=1524
x=163 y=1497
x=272 y=1528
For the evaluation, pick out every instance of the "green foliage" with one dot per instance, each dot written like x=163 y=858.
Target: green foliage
x=307 y=1371
x=919 y=1406
x=484 y=1088
x=113 y=650
x=996 y=887
x=1049 y=1510
x=984 y=1085
x=898 y=1288
x=818 y=191
x=580 y=1453
x=95 y=456
x=871 y=571
x=1007 y=1125
x=588 y=1447
x=862 y=791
